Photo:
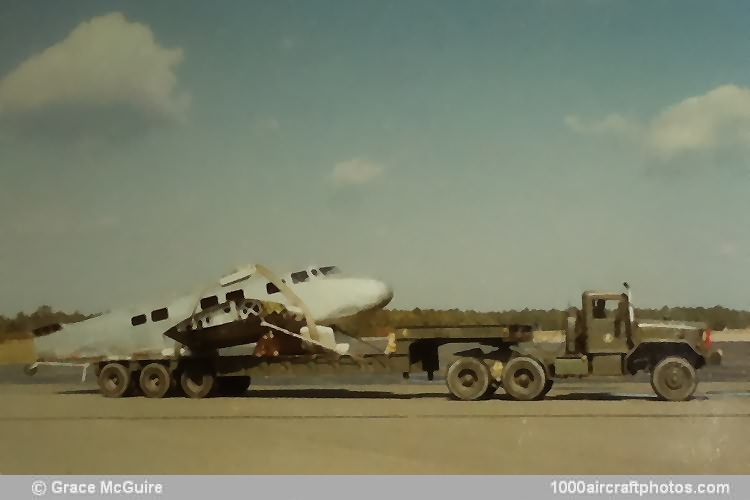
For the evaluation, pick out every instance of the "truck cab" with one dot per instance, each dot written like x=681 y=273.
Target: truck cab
x=603 y=338
x=601 y=326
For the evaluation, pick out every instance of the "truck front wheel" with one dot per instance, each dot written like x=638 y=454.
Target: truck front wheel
x=468 y=379
x=674 y=379
x=524 y=379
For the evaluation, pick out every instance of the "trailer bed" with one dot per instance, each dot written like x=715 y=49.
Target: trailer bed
x=410 y=350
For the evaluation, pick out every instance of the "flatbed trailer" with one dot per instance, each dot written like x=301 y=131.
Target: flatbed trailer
x=410 y=350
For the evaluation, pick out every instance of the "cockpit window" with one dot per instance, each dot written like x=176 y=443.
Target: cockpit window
x=329 y=270
x=300 y=277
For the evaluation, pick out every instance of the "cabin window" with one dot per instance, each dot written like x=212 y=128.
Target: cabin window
x=138 y=320
x=271 y=289
x=211 y=301
x=329 y=270
x=601 y=308
x=236 y=296
x=300 y=277
x=159 y=314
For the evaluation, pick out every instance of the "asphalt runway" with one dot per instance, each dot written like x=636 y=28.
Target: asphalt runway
x=54 y=424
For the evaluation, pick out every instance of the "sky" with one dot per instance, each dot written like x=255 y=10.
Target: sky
x=482 y=155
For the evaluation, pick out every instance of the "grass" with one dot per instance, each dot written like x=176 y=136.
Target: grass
x=16 y=351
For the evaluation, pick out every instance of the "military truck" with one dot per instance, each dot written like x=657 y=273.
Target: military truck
x=602 y=338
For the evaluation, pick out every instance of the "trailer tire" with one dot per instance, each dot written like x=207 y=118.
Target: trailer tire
x=674 y=379
x=155 y=380
x=524 y=379
x=468 y=379
x=233 y=386
x=114 y=380
x=197 y=382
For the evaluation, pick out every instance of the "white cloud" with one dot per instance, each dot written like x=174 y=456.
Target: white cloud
x=717 y=119
x=106 y=63
x=356 y=172
x=714 y=121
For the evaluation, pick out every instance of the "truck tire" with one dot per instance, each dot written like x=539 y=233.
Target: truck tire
x=233 y=386
x=197 y=382
x=674 y=379
x=114 y=380
x=155 y=380
x=524 y=379
x=468 y=379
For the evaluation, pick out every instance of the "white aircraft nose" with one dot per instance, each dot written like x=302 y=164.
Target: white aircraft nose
x=377 y=294
x=337 y=298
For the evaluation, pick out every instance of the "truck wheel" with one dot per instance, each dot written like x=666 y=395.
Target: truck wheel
x=674 y=379
x=233 y=386
x=197 y=383
x=155 y=380
x=468 y=379
x=114 y=380
x=524 y=379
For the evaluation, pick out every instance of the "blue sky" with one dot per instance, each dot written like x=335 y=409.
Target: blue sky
x=478 y=154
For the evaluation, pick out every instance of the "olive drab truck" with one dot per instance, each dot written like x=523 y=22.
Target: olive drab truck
x=602 y=338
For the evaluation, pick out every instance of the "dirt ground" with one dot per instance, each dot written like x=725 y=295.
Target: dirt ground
x=53 y=423
x=581 y=428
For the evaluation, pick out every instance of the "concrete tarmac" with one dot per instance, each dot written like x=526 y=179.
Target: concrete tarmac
x=396 y=428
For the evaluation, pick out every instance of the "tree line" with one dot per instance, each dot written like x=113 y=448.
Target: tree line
x=716 y=317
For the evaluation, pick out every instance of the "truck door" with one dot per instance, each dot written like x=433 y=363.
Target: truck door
x=606 y=329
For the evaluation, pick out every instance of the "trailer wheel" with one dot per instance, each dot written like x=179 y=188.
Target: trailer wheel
x=197 y=382
x=468 y=379
x=674 y=379
x=155 y=380
x=114 y=380
x=524 y=379
x=233 y=386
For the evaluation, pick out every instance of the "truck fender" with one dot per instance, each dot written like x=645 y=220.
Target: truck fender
x=544 y=358
x=648 y=353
